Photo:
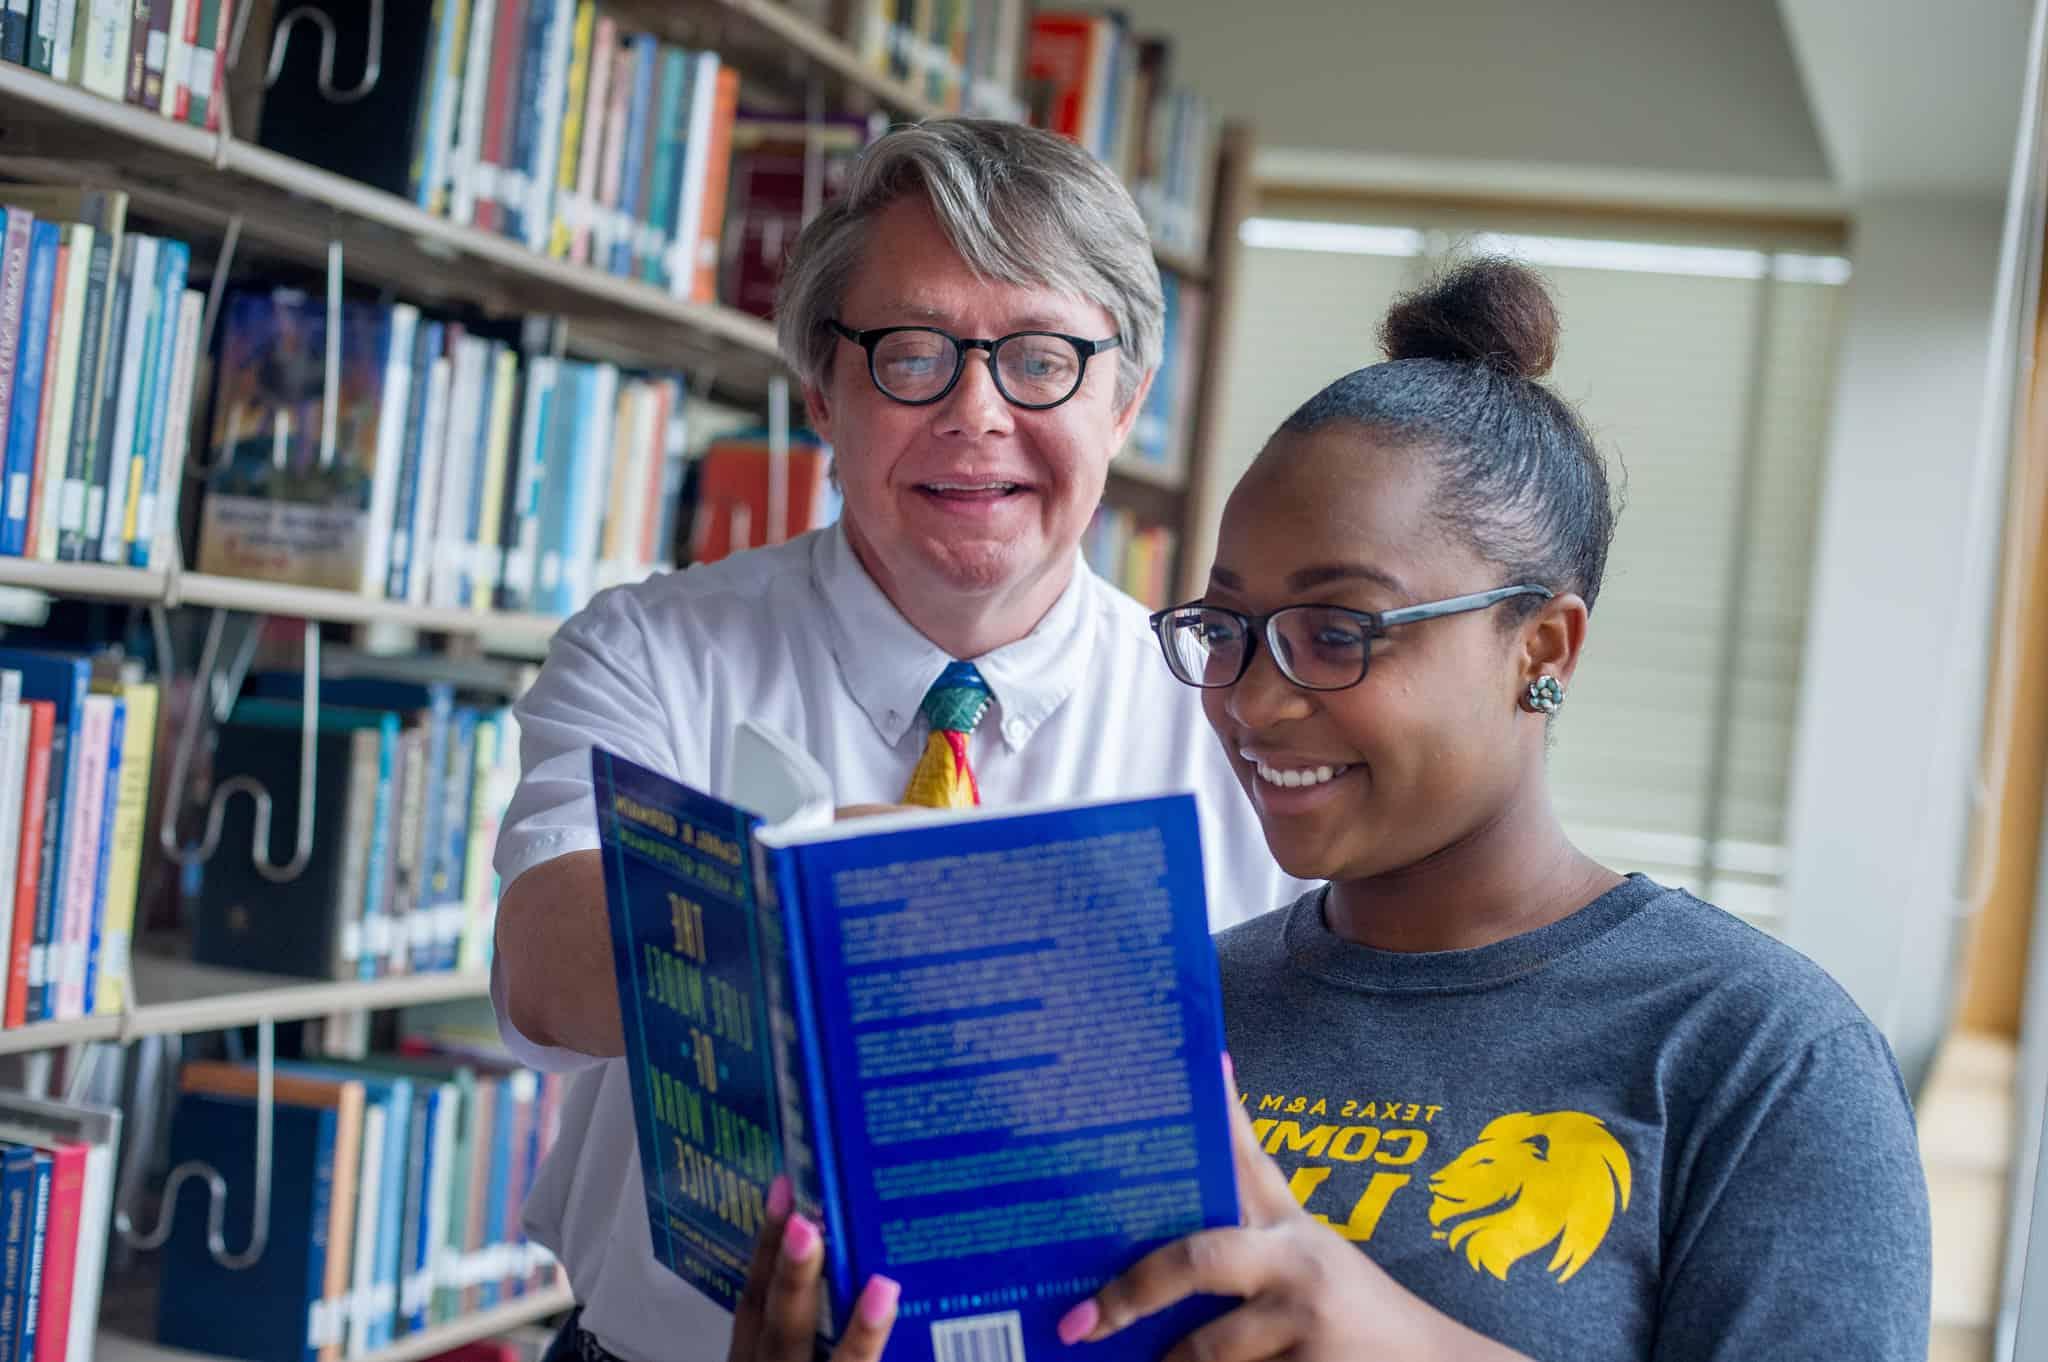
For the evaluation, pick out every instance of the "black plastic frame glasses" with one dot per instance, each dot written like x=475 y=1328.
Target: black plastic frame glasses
x=1084 y=350
x=1348 y=654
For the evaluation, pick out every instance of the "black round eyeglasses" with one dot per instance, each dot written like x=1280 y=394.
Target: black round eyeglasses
x=918 y=365
x=1317 y=647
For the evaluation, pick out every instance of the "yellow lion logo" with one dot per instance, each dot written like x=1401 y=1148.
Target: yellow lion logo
x=1531 y=1180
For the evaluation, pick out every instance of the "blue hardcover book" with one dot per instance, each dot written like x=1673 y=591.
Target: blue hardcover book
x=986 y=1049
x=63 y=679
x=671 y=123
x=449 y=876
x=25 y=408
x=426 y=348
x=173 y=263
x=117 y=744
x=276 y=1300
x=567 y=450
x=40 y=1171
x=522 y=155
x=498 y=1178
x=17 y=1211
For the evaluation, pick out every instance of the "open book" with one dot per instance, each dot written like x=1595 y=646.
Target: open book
x=985 y=1047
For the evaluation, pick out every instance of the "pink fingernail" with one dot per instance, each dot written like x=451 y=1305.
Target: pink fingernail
x=1079 y=1322
x=1229 y=1072
x=878 y=1300
x=800 y=1239
x=779 y=1197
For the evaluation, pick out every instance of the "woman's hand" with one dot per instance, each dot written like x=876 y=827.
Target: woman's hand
x=777 y=1319
x=1309 y=1295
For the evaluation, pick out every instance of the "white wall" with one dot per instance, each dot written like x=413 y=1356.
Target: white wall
x=1709 y=89
x=1893 y=683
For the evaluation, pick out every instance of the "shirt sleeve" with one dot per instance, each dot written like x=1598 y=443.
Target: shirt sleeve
x=1805 y=1227
x=597 y=688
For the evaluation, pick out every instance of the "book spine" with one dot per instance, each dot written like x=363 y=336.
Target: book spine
x=433 y=454
x=703 y=286
x=391 y=440
x=555 y=99
x=35 y=794
x=104 y=60
x=208 y=36
x=25 y=409
x=110 y=803
x=476 y=77
x=561 y=225
x=419 y=391
x=218 y=91
x=17 y=1187
x=177 y=431
x=14 y=31
x=99 y=288
x=487 y=517
x=119 y=443
x=515 y=573
x=383 y=811
x=65 y=19
x=661 y=177
x=60 y=384
x=32 y=1276
x=135 y=65
x=124 y=873
x=177 y=47
x=604 y=212
x=14 y=740
x=53 y=345
x=646 y=55
x=444 y=76
x=14 y=263
x=138 y=531
x=60 y=1253
x=82 y=810
x=508 y=43
x=581 y=205
x=43 y=952
x=42 y=41
x=117 y=379
x=522 y=122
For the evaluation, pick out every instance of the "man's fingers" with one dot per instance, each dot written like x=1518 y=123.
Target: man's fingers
x=874 y=1313
x=753 y=1304
x=1261 y=1187
x=1214 y=1262
x=789 y=1321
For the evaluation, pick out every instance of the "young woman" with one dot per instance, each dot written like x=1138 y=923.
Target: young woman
x=1498 y=1100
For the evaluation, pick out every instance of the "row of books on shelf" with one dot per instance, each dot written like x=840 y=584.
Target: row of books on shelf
x=99 y=358
x=960 y=56
x=458 y=472
x=77 y=751
x=544 y=120
x=1158 y=444
x=395 y=1198
x=1134 y=557
x=1094 y=80
x=408 y=790
x=168 y=56
x=57 y=1175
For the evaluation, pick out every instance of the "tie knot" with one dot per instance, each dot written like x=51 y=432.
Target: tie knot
x=957 y=700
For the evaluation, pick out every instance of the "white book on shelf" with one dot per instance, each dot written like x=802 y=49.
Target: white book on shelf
x=362 y=1294
x=177 y=55
x=580 y=556
x=611 y=566
x=466 y=428
x=469 y=128
x=519 y=550
x=427 y=500
x=392 y=406
x=78 y=238
x=64 y=19
x=485 y=557
x=104 y=69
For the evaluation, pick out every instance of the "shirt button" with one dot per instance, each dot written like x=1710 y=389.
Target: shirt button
x=1014 y=730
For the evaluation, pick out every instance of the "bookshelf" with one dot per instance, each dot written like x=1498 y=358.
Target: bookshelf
x=215 y=187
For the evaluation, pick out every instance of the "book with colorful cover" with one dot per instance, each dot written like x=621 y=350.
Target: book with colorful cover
x=927 y=1021
x=276 y=509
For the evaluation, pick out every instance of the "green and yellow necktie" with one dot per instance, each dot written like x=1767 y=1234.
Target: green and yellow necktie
x=953 y=706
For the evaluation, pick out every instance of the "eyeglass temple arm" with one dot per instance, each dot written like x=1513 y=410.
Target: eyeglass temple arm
x=1458 y=605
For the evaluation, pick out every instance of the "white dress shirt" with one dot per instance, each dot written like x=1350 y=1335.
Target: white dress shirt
x=800 y=637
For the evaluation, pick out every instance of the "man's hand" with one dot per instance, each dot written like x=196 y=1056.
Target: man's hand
x=1308 y=1294
x=777 y=1320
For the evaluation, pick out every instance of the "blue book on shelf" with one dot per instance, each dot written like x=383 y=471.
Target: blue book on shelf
x=117 y=744
x=17 y=1211
x=62 y=679
x=568 y=435
x=426 y=348
x=40 y=1171
x=25 y=408
x=639 y=113
x=907 y=1015
x=452 y=848
x=276 y=1300
x=173 y=263
x=498 y=1182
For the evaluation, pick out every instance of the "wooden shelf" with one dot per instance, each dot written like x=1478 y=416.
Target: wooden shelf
x=1152 y=501
x=113 y=1346
x=58 y=132
x=177 y=997
x=1191 y=269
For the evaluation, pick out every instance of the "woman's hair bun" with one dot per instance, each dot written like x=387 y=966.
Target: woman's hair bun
x=1487 y=311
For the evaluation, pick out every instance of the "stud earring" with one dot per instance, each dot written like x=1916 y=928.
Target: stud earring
x=1543 y=696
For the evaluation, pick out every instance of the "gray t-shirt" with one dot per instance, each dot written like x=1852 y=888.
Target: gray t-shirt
x=1647 y=1131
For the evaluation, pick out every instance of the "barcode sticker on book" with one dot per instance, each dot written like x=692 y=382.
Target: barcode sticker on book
x=979 y=1338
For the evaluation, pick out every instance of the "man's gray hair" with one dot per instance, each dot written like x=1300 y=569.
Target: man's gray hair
x=1020 y=205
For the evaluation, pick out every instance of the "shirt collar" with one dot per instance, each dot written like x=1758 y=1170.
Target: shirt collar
x=888 y=665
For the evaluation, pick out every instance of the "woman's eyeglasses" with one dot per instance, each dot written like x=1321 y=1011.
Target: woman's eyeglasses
x=1317 y=647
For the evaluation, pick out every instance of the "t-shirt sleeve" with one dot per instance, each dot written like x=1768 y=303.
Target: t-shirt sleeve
x=1804 y=1231
x=596 y=689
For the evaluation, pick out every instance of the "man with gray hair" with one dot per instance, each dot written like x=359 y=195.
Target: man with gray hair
x=975 y=323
